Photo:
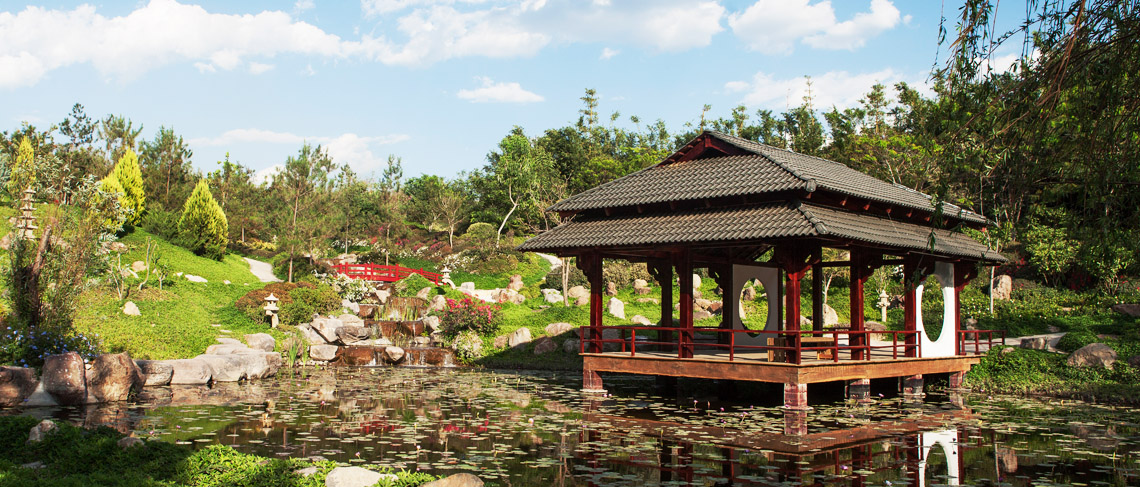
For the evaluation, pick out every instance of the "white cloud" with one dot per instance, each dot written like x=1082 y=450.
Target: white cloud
x=774 y=26
x=609 y=53
x=205 y=68
x=492 y=92
x=303 y=5
x=258 y=68
x=832 y=89
x=350 y=148
x=373 y=8
x=266 y=175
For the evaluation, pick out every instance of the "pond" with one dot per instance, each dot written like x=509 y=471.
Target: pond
x=519 y=428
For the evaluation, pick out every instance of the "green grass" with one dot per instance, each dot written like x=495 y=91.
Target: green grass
x=177 y=321
x=73 y=456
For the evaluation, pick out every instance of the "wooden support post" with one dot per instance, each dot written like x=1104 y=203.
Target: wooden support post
x=795 y=262
x=957 y=379
x=795 y=396
x=817 y=318
x=591 y=265
x=592 y=382
x=964 y=272
x=910 y=306
x=860 y=272
x=662 y=271
x=912 y=386
x=859 y=390
x=684 y=263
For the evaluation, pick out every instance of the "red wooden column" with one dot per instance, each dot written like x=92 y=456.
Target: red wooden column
x=860 y=272
x=817 y=289
x=910 y=304
x=684 y=262
x=795 y=261
x=662 y=271
x=964 y=272
x=591 y=265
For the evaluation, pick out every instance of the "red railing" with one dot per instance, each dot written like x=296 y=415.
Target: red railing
x=384 y=273
x=968 y=346
x=784 y=346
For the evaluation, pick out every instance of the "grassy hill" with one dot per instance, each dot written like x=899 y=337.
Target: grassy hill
x=184 y=317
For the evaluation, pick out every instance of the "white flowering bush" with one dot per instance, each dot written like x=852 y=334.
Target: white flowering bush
x=348 y=288
x=468 y=346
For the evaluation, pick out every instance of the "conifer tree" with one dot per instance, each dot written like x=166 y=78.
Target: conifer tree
x=111 y=186
x=129 y=174
x=22 y=173
x=203 y=227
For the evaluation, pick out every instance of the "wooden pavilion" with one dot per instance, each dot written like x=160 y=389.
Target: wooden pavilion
x=724 y=203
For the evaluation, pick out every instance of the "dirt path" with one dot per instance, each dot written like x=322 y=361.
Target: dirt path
x=555 y=262
x=263 y=271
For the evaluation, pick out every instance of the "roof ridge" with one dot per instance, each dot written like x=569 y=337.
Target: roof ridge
x=810 y=183
x=815 y=222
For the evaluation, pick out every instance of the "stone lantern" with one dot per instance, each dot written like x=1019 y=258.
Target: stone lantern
x=884 y=301
x=445 y=278
x=271 y=309
x=27 y=218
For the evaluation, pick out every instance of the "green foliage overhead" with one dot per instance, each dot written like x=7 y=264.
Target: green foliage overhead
x=203 y=226
x=129 y=175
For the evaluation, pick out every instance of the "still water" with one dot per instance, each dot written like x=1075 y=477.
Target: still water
x=520 y=429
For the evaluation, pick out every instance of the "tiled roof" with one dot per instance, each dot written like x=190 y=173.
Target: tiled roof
x=765 y=169
x=755 y=222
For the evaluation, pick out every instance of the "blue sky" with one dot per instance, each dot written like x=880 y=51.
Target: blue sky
x=440 y=82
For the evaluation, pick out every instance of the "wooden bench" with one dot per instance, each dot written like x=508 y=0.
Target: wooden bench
x=821 y=341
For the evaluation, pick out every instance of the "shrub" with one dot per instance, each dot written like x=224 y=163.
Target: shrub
x=480 y=235
x=27 y=348
x=467 y=315
x=576 y=278
x=253 y=302
x=303 y=267
x=409 y=286
x=468 y=346
x=158 y=221
x=1076 y=339
x=203 y=227
x=129 y=175
x=348 y=288
x=307 y=300
x=22 y=173
x=622 y=273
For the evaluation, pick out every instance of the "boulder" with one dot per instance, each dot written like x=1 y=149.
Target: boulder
x=193 y=278
x=224 y=368
x=128 y=442
x=355 y=477
x=519 y=337
x=356 y=356
x=155 y=373
x=366 y=310
x=261 y=341
x=582 y=301
x=351 y=319
x=972 y=324
x=311 y=335
x=353 y=334
x=544 y=345
x=611 y=289
x=393 y=355
x=830 y=317
x=696 y=281
x=507 y=296
x=648 y=300
x=616 y=308
x=640 y=283
x=500 y=341
x=457 y=480
x=223 y=349
x=138 y=266
x=577 y=292
x=323 y=353
x=467 y=288
x=696 y=293
x=230 y=341
x=421 y=341
x=40 y=431
x=327 y=327
x=1036 y=343
x=262 y=365
x=424 y=293
x=552 y=298
x=382 y=295
x=1093 y=355
x=189 y=372
x=701 y=315
x=351 y=306
x=40 y=398
x=641 y=291
x=116 y=247
x=1002 y=287
x=516 y=283
x=640 y=320
x=714 y=307
x=555 y=329
x=432 y=324
x=131 y=309
x=64 y=377
x=1132 y=310
x=112 y=378
x=702 y=303
x=571 y=345
x=438 y=303
x=749 y=294
x=16 y=384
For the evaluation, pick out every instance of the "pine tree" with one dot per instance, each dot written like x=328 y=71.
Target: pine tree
x=129 y=174
x=203 y=227
x=111 y=186
x=22 y=173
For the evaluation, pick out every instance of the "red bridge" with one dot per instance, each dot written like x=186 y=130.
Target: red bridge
x=383 y=273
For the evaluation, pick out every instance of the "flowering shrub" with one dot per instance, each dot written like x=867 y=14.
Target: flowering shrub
x=348 y=288
x=468 y=346
x=28 y=348
x=466 y=315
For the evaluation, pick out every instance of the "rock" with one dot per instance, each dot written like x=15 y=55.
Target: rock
x=64 y=377
x=555 y=329
x=516 y=283
x=571 y=345
x=616 y=308
x=749 y=294
x=640 y=320
x=467 y=288
x=366 y=311
x=393 y=355
x=519 y=337
x=351 y=306
x=323 y=353
x=227 y=282
x=189 y=372
x=40 y=431
x=127 y=442
x=292 y=345
x=1002 y=287
x=507 y=296
x=438 y=303
x=696 y=281
x=640 y=283
x=1005 y=350
x=356 y=356
x=641 y=291
x=193 y=278
x=701 y=303
x=16 y=384
x=1038 y=343
x=577 y=292
x=131 y=309
x=382 y=296
x=230 y=341
x=421 y=341
x=457 y=480
x=1093 y=355
x=155 y=373
x=648 y=300
x=1134 y=361
x=261 y=341
x=6 y=242
x=353 y=334
x=224 y=368
x=1006 y=459
x=327 y=327
x=307 y=471
x=611 y=289
x=40 y=398
x=714 y=307
x=262 y=365
x=117 y=247
x=972 y=324
x=696 y=293
x=830 y=317
x=582 y=301
x=701 y=315
x=350 y=319
x=552 y=298
x=544 y=345
x=355 y=477
x=500 y=341
x=311 y=335
x=432 y=324
x=1132 y=310
x=424 y=293
x=138 y=266
x=222 y=349
x=112 y=378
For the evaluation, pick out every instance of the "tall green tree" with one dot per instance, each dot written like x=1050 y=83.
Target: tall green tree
x=22 y=172
x=203 y=226
x=129 y=175
x=518 y=170
x=302 y=184
x=119 y=134
x=166 y=167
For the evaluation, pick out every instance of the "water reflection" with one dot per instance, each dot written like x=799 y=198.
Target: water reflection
x=530 y=428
